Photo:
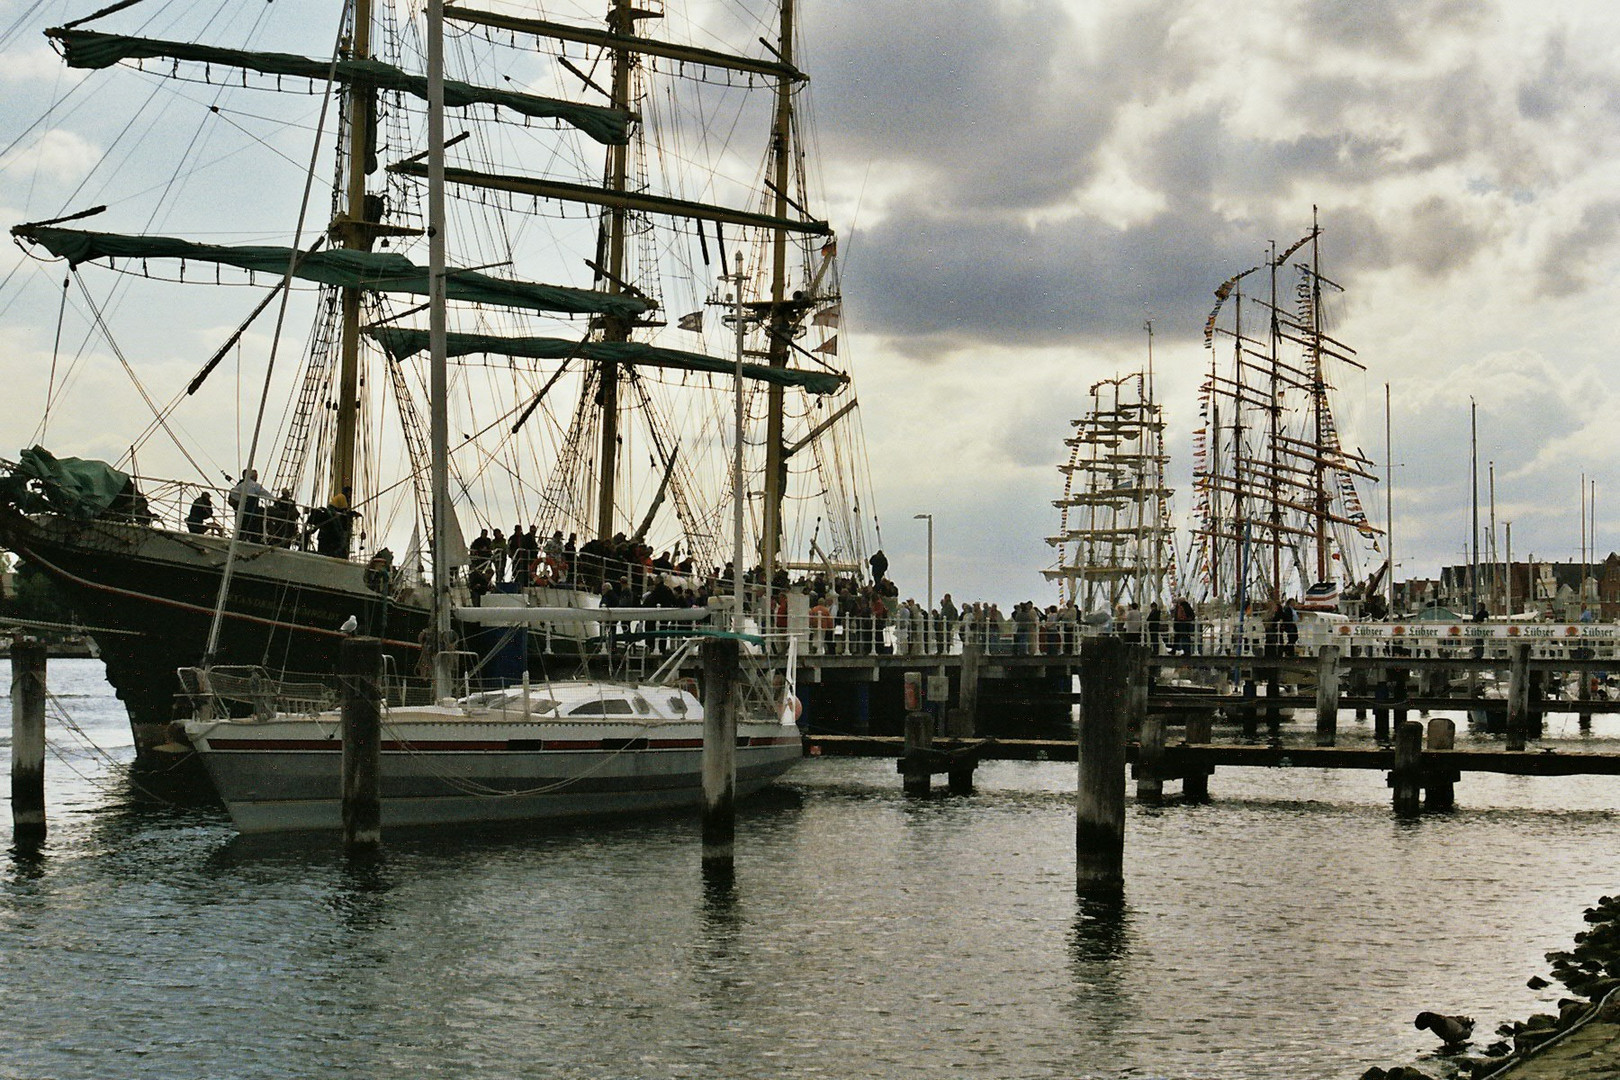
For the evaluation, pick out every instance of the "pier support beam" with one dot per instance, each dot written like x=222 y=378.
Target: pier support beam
x=1150 y=761
x=915 y=775
x=721 y=669
x=1407 y=777
x=360 y=671
x=1518 y=712
x=1440 y=790
x=964 y=721
x=1200 y=730
x=27 y=742
x=1100 y=801
x=1327 y=696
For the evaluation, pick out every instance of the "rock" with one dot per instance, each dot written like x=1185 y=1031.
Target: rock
x=1450 y=1030
x=1537 y=983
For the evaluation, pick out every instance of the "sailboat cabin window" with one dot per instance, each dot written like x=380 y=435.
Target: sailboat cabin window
x=604 y=707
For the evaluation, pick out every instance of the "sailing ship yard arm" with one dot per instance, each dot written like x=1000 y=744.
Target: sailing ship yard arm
x=379 y=271
x=88 y=49
x=608 y=39
x=400 y=342
x=626 y=200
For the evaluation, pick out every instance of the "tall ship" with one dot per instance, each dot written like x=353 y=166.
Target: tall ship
x=1277 y=515
x=630 y=239
x=1116 y=540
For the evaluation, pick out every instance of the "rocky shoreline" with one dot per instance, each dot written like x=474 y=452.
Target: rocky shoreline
x=1582 y=1040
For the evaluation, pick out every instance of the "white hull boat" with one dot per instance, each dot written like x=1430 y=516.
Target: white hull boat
x=559 y=750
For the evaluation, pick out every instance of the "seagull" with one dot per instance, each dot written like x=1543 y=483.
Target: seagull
x=351 y=624
x=1452 y=1030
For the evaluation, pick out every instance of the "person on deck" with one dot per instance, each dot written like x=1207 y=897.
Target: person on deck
x=880 y=565
x=200 y=514
x=247 y=498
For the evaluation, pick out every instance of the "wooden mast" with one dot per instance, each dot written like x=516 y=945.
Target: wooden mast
x=1319 y=395
x=621 y=24
x=350 y=231
x=782 y=319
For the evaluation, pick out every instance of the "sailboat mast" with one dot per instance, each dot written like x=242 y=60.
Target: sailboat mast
x=1274 y=458
x=621 y=23
x=781 y=320
x=350 y=232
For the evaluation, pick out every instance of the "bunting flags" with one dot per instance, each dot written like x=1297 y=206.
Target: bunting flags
x=828 y=316
x=829 y=249
x=829 y=347
x=694 y=322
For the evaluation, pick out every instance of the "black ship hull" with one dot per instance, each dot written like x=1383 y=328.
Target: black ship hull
x=149 y=595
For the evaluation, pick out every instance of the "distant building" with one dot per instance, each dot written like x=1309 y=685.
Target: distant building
x=1551 y=590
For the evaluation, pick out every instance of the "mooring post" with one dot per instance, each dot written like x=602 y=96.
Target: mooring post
x=27 y=741
x=1248 y=710
x=721 y=670
x=1195 y=784
x=1380 y=711
x=360 y=671
x=1518 y=711
x=1585 y=718
x=1440 y=793
x=1400 y=703
x=1100 y=799
x=1327 y=696
x=1407 y=777
x=965 y=717
x=915 y=777
x=1358 y=682
x=1150 y=760
x=1273 y=704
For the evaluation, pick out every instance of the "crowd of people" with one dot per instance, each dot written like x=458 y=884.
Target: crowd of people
x=278 y=520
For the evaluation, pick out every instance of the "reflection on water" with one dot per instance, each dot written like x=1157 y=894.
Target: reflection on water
x=1293 y=927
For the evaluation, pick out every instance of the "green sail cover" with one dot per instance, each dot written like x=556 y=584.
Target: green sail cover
x=379 y=271
x=73 y=487
x=87 y=49
x=400 y=342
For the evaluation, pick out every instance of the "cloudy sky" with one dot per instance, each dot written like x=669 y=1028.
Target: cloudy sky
x=1019 y=186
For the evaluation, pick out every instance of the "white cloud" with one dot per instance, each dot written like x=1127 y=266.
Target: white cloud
x=57 y=156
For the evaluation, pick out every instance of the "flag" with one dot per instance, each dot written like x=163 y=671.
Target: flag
x=693 y=321
x=828 y=316
x=830 y=346
x=829 y=249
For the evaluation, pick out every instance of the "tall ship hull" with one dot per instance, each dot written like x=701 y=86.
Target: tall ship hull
x=149 y=596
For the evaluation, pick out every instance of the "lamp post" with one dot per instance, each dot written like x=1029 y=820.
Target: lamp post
x=930 y=519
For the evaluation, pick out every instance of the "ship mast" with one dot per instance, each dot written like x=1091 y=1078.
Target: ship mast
x=1319 y=405
x=782 y=320
x=621 y=25
x=350 y=230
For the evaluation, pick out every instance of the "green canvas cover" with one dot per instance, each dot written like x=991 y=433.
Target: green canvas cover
x=88 y=49
x=380 y=271
x=73 y=487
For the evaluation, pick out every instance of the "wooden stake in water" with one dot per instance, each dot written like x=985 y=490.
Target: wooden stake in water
x=721 y=660
x=1518 y=712
x=1327 y=696
x=1406 y=779
x=1100 y=801
x=360 y=670
x=28 y=741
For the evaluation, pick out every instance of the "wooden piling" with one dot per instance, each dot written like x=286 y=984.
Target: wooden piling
x=1327 y=696
x=1248 y=711
x=27 y=742
x=1100 y=799
x=915 y=776
x=360 y=672
x=1381 y=713
x=964 y=723
x=1150 y=760
x=1440 y=787
x=1584 y=720
x=1518 y=712
x=1407 y=779
x=1398 y=710
x=1273 y=704
x=721 y=670
x=1200 y=730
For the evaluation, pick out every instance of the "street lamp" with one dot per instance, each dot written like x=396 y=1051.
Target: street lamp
x=930 y=519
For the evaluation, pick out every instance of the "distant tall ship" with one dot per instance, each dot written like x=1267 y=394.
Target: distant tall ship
x=1116 y=541
x=1276 y=510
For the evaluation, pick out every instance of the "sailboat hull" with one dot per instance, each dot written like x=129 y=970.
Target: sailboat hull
x=285 y=776
x=150 y=594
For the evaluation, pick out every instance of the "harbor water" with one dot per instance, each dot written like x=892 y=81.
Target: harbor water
x=1292 y=928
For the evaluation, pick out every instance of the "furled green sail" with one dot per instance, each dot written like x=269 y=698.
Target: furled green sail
x=88 y=49
x=401 y=342
x=380 y=271
x=73 y=487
